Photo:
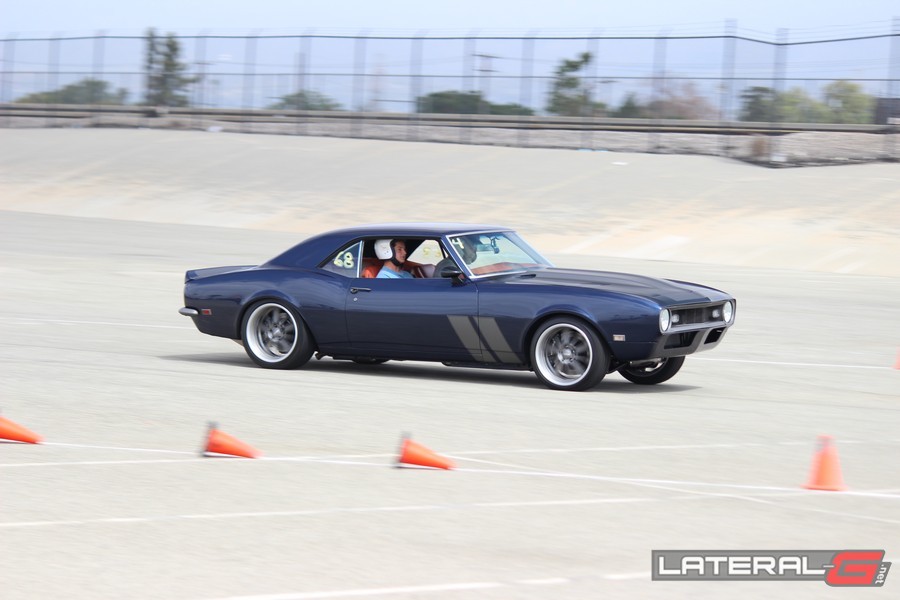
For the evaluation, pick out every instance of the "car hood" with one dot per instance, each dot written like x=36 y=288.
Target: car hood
x=663 y=291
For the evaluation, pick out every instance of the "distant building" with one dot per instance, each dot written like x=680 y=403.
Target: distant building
x=887 y=108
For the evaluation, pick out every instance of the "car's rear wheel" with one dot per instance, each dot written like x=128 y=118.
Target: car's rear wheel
x=651 y=374
x=275 y=337
x=567 y=354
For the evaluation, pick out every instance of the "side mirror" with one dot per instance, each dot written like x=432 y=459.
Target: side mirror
x=451 y=271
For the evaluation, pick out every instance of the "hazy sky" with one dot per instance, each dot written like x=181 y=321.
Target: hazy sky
x=809 y=20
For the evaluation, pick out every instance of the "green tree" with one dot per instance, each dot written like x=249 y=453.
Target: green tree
x=758 y=104
x=797 y=106
x=167 y=81
x=451 y=102
x=509 y=109
x=306 y=100
x=848 y=103
x=466 y=103
x=569 y=95
x=844 y=102
x=86 y=91
x=630 y=108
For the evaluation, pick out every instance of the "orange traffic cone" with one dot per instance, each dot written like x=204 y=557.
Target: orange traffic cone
x=414 y=453
x=219 y=442
x=826 y=468
x=16 y=433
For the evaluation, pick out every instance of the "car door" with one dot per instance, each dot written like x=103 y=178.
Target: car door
x=428 y=319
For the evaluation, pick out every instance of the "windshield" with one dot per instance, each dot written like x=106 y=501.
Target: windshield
x=491 y=253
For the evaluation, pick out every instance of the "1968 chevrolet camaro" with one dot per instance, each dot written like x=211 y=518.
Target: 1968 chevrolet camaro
x=460 y=294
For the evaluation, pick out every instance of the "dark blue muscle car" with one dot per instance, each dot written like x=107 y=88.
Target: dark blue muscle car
x=460 y=294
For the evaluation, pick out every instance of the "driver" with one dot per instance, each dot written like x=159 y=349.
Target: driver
x=393 y=253
x=468 y=252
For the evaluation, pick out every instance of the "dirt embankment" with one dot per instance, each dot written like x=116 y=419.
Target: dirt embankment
x=648 y=206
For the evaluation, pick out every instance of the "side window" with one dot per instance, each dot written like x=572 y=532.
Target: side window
x=429 y=252
x=345 y=262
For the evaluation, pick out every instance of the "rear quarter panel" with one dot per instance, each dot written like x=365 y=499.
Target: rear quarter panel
x=317 y=295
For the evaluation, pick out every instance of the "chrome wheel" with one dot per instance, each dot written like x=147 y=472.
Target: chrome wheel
x=567 y=354
x=275 y=337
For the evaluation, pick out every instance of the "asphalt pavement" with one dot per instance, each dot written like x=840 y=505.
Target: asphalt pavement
x=557 y=495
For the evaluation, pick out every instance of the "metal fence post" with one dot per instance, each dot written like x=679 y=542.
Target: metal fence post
x=7 y=77
x=359 y=82
x=415 y=60
x=302 y=69
x=200 y=61
x=659 y=86
x=893 y=100
x=97 y=71
x=726 y=86
x=587 y=113
x=249 y=78
x=526 y=82
x=778 y=81
x=53 y=72
x=465 y=133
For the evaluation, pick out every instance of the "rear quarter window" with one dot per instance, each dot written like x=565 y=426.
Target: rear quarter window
x=346 y=261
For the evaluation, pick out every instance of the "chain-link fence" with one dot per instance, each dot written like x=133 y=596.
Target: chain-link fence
x=782 y=101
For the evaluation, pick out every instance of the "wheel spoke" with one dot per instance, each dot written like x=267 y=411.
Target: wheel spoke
x=566 y=356
x=272 y=334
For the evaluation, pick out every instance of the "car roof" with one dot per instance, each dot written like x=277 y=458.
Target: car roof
x=434 y=229
x=314 y=250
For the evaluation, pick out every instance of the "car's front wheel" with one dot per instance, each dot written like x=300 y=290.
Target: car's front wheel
x=567 y=354
x=275 y=337
x=652 y=374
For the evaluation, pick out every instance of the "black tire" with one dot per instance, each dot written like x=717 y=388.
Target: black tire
x=275 y=337
x=370 y=361
x=653 y=374
x=567 y=354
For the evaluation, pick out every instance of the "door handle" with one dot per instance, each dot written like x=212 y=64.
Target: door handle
x=353 y=290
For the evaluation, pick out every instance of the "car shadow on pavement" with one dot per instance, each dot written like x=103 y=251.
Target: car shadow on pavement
x=433 y=371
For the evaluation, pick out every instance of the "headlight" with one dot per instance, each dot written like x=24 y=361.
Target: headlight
x=728 y=311
x=664 y=320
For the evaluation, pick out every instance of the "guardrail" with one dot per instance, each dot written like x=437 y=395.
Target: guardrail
x=74 y=112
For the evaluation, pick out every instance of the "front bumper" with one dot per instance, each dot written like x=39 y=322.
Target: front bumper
x=679 y=343
x=688 y=342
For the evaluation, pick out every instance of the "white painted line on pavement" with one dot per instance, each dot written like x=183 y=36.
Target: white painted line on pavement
x=342 y=458
x=790 y=364
x=416 y=589
x=87 y=463
x=625 y=576
x=437 y=588
x=116 y=448
x=36 y=321
x=327 y=511
x=548 y=581
x=635 y=480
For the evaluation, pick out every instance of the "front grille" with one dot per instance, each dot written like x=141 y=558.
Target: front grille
x=697 y=315
x=692 y=316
